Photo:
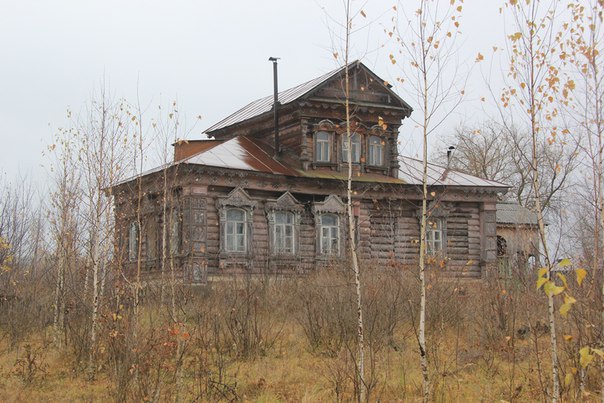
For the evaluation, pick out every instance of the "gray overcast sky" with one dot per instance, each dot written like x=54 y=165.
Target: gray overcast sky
x=210 y=55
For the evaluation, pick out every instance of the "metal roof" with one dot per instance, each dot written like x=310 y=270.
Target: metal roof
x=411 y=171
x=514 y=213
x=245 y=154
x=240 y=153
x=263 y=105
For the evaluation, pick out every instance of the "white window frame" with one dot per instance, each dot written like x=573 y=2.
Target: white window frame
x=231 y=234
x=376 y=151
x=322 y=146
x=355 y=142
x=280 y=236
x=434 y=236
x=327 y=232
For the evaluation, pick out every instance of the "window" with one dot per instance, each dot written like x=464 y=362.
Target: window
x=133 y=241
x=175 y=231
x=330 y=234
x=434 y=237
x=235 y=235
x=376 y=151
x=355 y=142
x=151 y=238
x=322 y=147
x=283 y=232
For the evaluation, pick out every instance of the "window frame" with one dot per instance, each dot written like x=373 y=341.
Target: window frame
x=175 y=232
x=375 y=149
x=356 y=145
x=431 y=242
x=277 y=247
x=325 y=143
x=133 y=241
x=235 y=235
x=332 y=229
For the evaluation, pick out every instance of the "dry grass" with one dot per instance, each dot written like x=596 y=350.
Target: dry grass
x=479 y=347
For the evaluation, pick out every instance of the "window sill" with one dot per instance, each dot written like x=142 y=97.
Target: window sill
x=318 y=164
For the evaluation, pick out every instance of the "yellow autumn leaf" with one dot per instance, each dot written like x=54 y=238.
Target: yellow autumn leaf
x=542 y=271
x=551 y=289
x=541 y=281
x=568 y=337
x=585 y=358
x=479 y=57
x=568 y=378
x=598 y=352
x=581 y=273
x=565 y=263
x=563 y=278
x=564 y=308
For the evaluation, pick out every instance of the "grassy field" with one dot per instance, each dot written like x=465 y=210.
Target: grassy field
x=294 y=340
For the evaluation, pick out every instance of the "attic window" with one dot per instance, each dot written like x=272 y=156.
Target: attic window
x=355 y=143
x=322 y=147
x=376 y=151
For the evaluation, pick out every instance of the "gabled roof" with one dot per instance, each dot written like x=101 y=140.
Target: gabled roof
x=514 y=213
x=265 y=105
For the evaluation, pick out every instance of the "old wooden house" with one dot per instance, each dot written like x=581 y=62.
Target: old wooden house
x=253 y=199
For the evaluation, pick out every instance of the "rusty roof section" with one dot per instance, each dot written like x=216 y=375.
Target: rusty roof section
x=244 y=154
x=240 y=153
x=265 y=105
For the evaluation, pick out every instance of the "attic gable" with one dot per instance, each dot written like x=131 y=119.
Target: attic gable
x=366 y=88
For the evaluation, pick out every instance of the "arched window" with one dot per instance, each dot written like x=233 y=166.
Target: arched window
x=330 y=234
x=322 y=147
x=434 y=236
x=355 y=143
x=133 y=241
x=376 y=151
x=283 y=232
x=235 y=231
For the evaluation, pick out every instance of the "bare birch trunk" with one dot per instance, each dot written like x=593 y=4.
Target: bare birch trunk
x=422 y=252
x=351 y=225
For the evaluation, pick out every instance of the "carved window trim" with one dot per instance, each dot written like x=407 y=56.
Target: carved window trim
x=286 y=203
x=236 y=199
x=332 y=205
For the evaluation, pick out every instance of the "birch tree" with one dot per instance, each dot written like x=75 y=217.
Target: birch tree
x=351 y=224
x=585 y=52
x=102 y=134
x=63 y=217
x=426 y=46
x=535 y=89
